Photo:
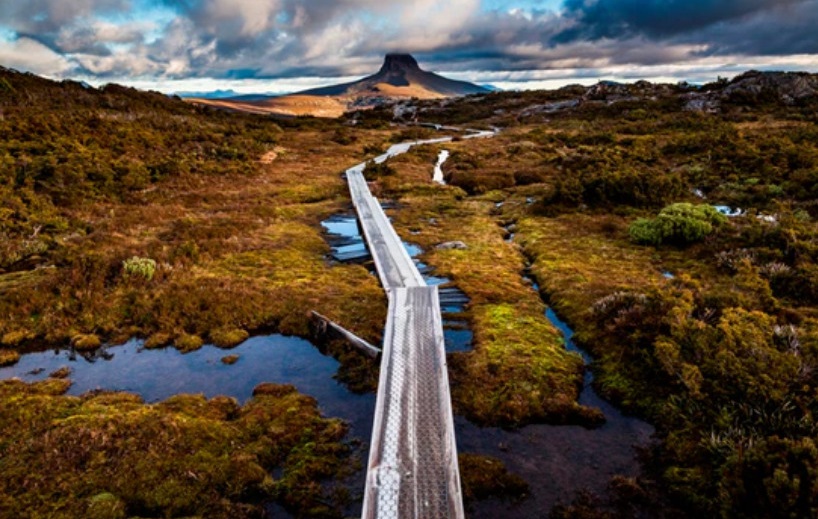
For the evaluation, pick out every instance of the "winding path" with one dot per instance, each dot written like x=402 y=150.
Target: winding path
x=412 y=470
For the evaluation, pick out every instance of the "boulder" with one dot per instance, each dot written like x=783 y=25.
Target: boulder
x=450 y=245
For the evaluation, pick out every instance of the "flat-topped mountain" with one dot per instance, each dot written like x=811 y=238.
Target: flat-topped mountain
x=400 y=77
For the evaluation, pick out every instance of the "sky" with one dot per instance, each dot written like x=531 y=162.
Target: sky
x=276 y=46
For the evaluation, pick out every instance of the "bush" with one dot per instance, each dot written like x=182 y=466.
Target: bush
x=645 y=231
x=680 y=224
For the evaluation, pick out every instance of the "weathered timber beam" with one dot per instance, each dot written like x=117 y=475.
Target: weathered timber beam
x=324 y=324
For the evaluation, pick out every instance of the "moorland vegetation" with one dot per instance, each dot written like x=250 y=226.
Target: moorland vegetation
x=132 y=214
x=704 y=324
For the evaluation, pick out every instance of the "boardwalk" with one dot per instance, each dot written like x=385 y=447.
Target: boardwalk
x=412 y=471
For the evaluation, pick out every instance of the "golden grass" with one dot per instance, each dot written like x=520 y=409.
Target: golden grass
x=291 y=105
x=233 y=252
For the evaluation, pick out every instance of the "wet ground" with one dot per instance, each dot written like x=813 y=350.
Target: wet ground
x=557 y=461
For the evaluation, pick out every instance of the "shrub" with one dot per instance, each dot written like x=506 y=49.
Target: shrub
x=645 y=231
x=680 y=224
x=373 y=171
x=137 y=267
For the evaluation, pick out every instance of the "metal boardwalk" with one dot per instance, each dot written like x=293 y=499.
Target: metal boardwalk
x=412 y=470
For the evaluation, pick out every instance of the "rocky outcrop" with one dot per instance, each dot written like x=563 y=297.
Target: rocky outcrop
x=788 y=87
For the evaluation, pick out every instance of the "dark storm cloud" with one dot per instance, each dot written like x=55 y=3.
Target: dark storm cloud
x=48 y=16
x=724 y=27
x=237 y=39
x=778 y=32
x=616 y=19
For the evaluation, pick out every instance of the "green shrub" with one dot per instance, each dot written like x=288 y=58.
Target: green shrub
x=680 y=224
x=137 y=267
x=645 y=231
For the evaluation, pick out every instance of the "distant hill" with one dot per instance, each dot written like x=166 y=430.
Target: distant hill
x=400 y=77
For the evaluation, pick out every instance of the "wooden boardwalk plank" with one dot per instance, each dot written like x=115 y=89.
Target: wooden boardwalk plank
x=412 y=470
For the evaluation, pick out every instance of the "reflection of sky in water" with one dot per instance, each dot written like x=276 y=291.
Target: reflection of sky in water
x=558 y=461
x=158 y=374
x=347 y=243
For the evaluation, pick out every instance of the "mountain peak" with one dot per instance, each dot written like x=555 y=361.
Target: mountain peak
x=399 y=62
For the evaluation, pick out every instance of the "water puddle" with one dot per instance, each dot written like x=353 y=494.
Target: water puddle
x=157 y=374
x=559 y=461
x=345 y=239
x=730 y=212
x=344 y=236
x=438 y=174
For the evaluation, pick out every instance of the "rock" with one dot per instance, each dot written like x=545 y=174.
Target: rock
x=230 y=359
x=787 y=86
x=701 y=104
x=452 y=245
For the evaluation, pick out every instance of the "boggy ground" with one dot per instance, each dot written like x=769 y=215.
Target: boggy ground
x=109 y=455
x=129 y=214
x=709 y=332
x=519 y=371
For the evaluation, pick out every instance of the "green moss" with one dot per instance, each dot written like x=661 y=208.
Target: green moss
x=228 y=337
x=86 y=342
x=188 y=342
x=184 y=457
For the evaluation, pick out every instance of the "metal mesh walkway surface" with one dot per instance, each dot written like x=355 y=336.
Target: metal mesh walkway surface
x=412 y=471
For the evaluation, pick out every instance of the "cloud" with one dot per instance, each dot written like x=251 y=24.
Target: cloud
x=31 y=55
x=263 y=39
x=38 y=16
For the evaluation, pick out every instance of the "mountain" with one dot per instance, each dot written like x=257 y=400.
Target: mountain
x=400 y=77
